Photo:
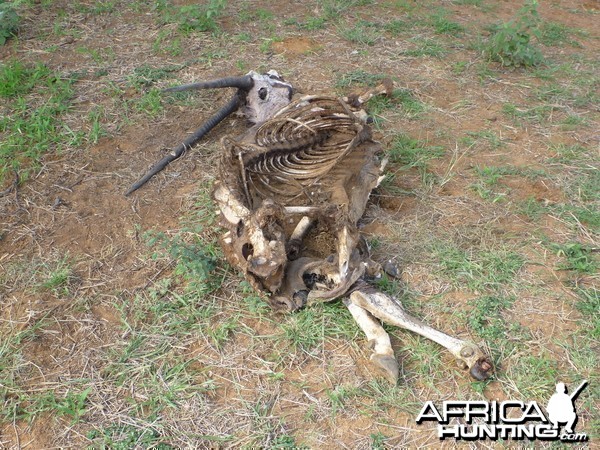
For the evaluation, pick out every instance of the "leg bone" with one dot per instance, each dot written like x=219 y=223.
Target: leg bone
x=379 y=341
x=294 y=244
x=390 y=311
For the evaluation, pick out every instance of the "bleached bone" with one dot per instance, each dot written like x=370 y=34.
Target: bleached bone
x=297 y=236
x=391 y=311
x=379 y=341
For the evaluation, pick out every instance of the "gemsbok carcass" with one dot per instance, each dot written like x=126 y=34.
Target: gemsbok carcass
x=304 y=164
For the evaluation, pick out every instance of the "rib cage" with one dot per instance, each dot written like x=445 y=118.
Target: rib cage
x=298 y=147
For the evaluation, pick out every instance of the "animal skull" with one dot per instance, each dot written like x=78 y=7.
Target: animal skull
x=291 y=191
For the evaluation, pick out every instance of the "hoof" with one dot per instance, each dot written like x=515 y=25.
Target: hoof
x=388 y=366
x=391 y=269
x=482 y=369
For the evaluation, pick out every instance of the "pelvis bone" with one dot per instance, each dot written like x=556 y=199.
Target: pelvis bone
x=291 y=191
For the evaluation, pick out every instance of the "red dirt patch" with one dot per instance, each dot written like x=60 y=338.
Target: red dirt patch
x=295 y=46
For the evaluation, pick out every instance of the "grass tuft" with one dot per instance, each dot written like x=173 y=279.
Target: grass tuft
x=192 y=18
x=577 y=257
x=412 y=152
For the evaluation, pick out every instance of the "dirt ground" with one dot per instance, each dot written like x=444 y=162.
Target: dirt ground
x=254 y=388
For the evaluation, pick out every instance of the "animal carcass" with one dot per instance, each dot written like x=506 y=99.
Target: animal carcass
x=291 y=191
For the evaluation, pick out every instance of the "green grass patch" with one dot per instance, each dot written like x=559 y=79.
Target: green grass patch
x=535 y=114
x=570 y=154
x=486 y=319
x=146 y=76
x=426 y=47
x=468 y=2
x=98 y=8
x=125 y=437
x=585 y=187
x=589 y=307
x=586 y=215
x=478 y=269
x=577 y=257
x=442 y=25
x=150 y=103
x=412 y=152
x=484 y=191
x=385 y=396
x=339 y=396
x=167 y=42
x=16 y=402
x=422 y=356
x=309 y=23
x=490 y=175
x=363 y=32
x=400 y=99
x=532 y=208
x=36 y=99
x=358 y=78
x=558 y=94
x=573 y=122
x=489 y=137
x=534 y=377
x=554 y=34
x=334 y=9
x=58 y=277
x=18 y=79
x=9 y=21
x=308 y=328
x=378 y=441
x=397 y=27
x=195 y=17
x=72 y=405
x=570 y=213
x=195 y=251
x=314 y=23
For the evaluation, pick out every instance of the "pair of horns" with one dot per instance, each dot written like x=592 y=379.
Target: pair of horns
x=244 y=83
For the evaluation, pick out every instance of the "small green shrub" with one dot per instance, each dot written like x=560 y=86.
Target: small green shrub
x=29 y=130
x=511 y=45
x=9 y=21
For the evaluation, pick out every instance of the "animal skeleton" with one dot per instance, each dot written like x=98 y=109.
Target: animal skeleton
x=291 y=191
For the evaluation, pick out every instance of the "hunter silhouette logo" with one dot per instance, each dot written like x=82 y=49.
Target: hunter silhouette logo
x=511 y=419
x=561 y=407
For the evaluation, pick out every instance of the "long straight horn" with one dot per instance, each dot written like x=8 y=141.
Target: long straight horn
x=244 y=83
x=212 y=122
